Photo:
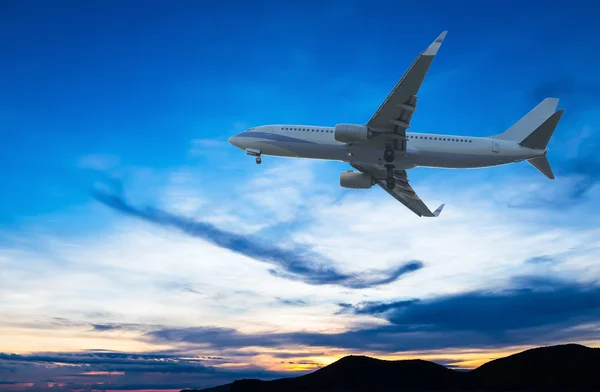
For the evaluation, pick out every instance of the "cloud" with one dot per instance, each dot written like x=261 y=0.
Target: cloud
x=299 y=263
x=115 y=361
x=100 y=162
x=533 y=310
x=292 y=302
x=118 y=370
x=541 y=260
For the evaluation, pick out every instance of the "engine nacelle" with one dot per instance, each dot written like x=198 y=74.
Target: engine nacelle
x=356 y=180
x=349 y=133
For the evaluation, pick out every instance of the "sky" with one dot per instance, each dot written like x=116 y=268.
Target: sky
x=140 y=251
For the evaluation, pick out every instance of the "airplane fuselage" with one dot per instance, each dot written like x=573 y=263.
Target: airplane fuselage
x=422 y=149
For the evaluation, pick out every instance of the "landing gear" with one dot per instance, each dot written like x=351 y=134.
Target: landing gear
x=388 y=154
x=254 y=153
x=390 y=182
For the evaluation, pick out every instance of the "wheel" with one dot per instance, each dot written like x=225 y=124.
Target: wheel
x=390 y=183
x=258 y=160
x=388 y=155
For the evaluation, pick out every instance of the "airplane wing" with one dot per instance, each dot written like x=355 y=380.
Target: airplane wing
x=394 y=115
x=403 y=192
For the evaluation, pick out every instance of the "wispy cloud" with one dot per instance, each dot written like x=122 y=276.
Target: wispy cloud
x=300 y=263
x=100 y=162
x=541 y=260
x=292 y=302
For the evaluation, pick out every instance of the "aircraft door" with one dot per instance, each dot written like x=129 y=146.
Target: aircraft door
x=495 y=146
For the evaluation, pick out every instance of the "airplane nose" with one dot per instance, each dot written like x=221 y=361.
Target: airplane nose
x=234 y=141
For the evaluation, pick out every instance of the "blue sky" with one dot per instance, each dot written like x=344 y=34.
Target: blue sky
x=109 y=108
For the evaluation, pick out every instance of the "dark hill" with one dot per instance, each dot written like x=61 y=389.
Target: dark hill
x=358 y=373
x=221 y=388
x=568 y=367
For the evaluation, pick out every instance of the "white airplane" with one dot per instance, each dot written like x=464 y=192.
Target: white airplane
x=382 y=150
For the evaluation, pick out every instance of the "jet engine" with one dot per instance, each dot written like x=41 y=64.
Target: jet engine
x=349 y=133
x=356 y=180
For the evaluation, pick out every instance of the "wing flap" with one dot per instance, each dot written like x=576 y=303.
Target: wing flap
x=402 y=192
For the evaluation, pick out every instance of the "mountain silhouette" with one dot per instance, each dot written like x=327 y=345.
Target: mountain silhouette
x=569 y=367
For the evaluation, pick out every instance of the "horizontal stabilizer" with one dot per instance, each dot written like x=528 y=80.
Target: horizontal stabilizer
x=542 y=164
x=539 y=138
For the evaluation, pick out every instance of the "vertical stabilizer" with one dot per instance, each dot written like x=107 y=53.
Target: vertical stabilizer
x=539 y=138
x=531 y=121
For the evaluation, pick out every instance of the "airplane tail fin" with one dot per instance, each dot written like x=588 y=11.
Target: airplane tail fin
x=530 y=122
x=542 y=164
x=539 y=138
x=534 y=131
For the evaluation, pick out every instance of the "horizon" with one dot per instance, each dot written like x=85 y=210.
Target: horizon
x=140 y=251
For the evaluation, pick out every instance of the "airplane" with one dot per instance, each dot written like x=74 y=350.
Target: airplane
x=381 y=151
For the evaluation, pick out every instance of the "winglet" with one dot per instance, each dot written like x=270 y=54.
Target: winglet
x=436 y=213
x=435 y=45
